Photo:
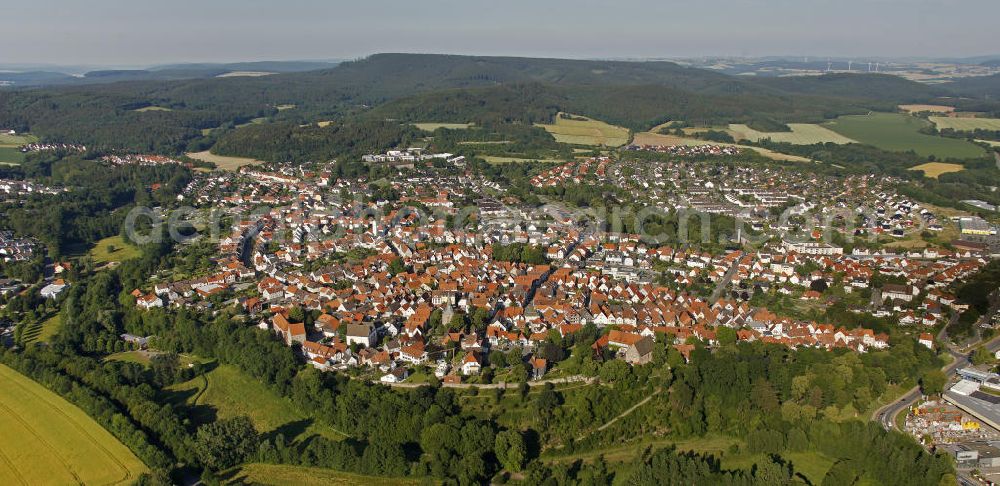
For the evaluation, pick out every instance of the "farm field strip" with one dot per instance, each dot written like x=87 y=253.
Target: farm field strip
x=930 y=108
x=586 y=131
x=801 y=134
x=965 y=124
x=49 y=441
x=647 y=138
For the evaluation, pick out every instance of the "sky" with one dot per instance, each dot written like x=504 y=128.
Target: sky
x=144 y=32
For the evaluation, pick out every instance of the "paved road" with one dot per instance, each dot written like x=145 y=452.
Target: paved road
x=721 y=286
x=887 y=414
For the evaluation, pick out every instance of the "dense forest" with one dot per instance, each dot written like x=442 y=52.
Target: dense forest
x=443 y=88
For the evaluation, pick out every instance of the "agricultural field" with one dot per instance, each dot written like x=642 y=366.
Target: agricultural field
x=222 y=392
x=431 y=126
x=965 y=124
x=935 y=169
x=10 y=155
x=649 y=138
x=801 y=134
x=222 y=161
x=112 y=249
x=991 y=143
x=927 y=108
x=275 y=474
x=586 y=131
x=896 y=132
x=152 y=108
x=47 y=440
x=285 y=107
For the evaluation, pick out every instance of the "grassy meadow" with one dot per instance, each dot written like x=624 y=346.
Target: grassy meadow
x=801 y=134
x=586 y=131
x=965 y=124
x=10 y=155
x=112 y=249
x=47 y=440
x=275 y=474
x=900 y=133
x=222 y=393
x=42 y=331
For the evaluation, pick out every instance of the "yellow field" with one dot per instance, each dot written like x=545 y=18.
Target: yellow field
x=935 y=169
x=47 y=440
x=431 y=126
x=324 y=123
x=801 y=134
x=223 y=162
x=965 y=124
x=930 y=108
x=586 y=132
x=991 y=143
x=285 y=107
x=152 y=108
x=280 y=475
x=647 y=138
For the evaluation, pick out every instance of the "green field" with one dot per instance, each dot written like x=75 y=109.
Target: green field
x=122 y=251
x=801 y=134
x=144 y=357
x=965 y=124
x=43 y=331
x=8 y=139
x=431 y=126
x=10 y=155
x=280 y=475
x=223 y=393
x=899 y=133
x=586 y=131
x=47 y=440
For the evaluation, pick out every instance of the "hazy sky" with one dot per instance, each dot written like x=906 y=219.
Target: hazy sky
x=149 y=32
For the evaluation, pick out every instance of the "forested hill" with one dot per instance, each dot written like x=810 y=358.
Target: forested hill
x=440 y=88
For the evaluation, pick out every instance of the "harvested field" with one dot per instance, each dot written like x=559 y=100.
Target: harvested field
x=935 y=169
x=927 y=108
x=801 y=134
x=585 y=131
x=222 y=161
x=965 y=124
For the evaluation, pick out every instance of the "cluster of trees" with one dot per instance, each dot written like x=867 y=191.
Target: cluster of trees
x=287 y=141
x=97 y=202
x=519 y=253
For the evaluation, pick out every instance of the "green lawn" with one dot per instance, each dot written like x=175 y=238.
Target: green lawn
x=144 y=357
x=119 y=250
x=897 y=132
x=10 y=155
x=8 y=139
x=43 y=331
x=227 y=392
x=47 y=440
x=274 y=474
